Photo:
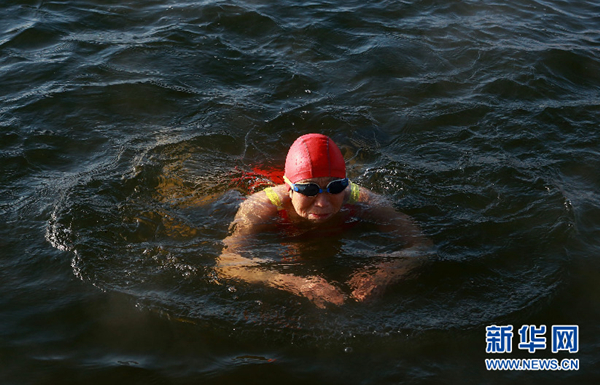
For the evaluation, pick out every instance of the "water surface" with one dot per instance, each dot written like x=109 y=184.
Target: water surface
x=130 y=132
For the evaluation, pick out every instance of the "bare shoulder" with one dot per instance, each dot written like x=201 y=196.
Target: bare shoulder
x=257 y=204
x=258 y=209
x=380 y=210
x=377 y=207
x=370 y=198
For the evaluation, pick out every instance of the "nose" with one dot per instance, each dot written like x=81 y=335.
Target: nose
x=322 y=200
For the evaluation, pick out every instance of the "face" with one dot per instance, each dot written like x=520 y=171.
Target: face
x=320 y=208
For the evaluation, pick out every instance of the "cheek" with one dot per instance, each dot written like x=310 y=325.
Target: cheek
x=338 y=201
x=300 y=204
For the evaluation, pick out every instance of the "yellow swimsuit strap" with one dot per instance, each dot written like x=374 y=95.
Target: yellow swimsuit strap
x=354 y=194
x=274 y=198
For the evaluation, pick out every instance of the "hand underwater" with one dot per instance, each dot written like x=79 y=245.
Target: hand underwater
x=321 y=292
x=365 y=287
x=314 y=288
x=371 y=282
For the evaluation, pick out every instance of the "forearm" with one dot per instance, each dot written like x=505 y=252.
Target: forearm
x=315 y=288
x=243 y=269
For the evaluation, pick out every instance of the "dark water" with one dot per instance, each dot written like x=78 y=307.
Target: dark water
x=129 y=131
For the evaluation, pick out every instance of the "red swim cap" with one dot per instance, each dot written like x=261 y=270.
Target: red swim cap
x=314 y=156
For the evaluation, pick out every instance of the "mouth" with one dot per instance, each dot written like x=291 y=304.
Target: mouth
x=319 y=217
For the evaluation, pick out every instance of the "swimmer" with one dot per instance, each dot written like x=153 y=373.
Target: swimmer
x=318 y=199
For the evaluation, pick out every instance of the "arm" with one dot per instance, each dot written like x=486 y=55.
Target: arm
x=371 y=281
x=378 y=210
x=255 y=216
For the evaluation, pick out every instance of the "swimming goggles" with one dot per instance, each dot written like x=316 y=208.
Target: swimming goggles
x=312 y=189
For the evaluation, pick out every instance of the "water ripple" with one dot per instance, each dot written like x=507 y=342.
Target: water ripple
x=130 y=129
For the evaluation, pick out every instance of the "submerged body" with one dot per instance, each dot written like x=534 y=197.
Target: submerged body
x=319 y=203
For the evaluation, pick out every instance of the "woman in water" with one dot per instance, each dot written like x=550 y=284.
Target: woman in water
x=317 y=199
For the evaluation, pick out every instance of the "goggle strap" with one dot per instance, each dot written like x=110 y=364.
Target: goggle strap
x=286 y=180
